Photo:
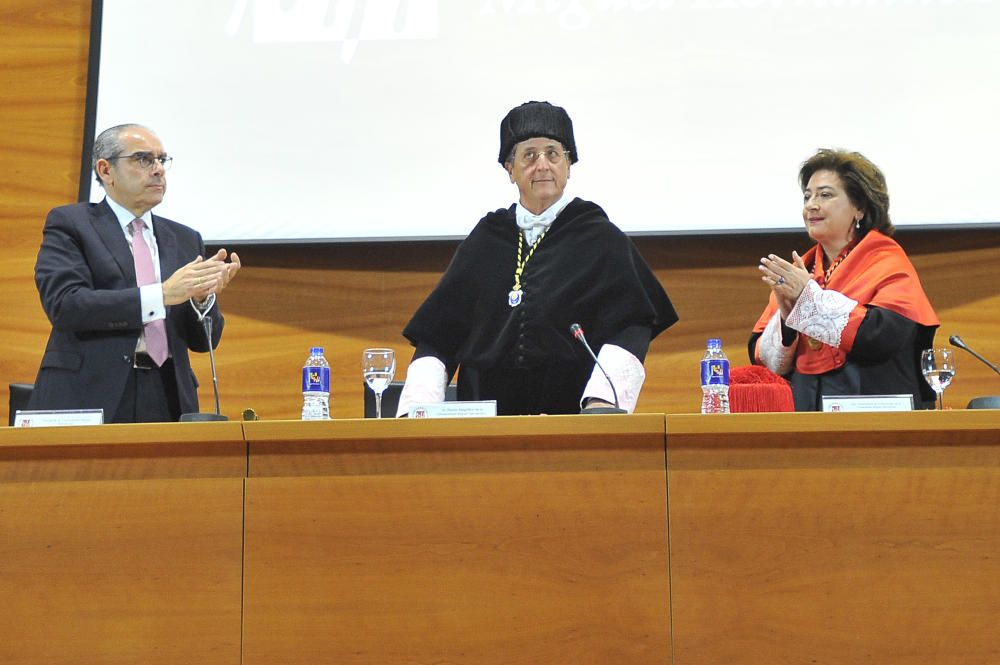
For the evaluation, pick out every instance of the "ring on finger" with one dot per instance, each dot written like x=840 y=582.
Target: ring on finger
x=781 y=280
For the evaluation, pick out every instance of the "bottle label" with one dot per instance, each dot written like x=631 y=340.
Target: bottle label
x=316 y=379
x=715 y=372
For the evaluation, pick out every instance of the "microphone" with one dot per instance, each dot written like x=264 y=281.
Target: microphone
x=957 y=341
x=202 y=310
x=577 y=332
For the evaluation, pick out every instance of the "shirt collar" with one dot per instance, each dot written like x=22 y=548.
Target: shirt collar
x=125 y=216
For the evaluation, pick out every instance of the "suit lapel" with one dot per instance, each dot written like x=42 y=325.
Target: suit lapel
x=166 y=245
x=106 y=225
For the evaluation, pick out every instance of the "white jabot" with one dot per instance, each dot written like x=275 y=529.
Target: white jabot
x=533 y=225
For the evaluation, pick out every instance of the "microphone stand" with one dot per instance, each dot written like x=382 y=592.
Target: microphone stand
x=206 y=322
x=957 y=341
x=990 y=402
x=576 y=331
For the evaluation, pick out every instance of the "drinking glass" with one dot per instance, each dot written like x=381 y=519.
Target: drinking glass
x=378 y=367
x=938 y=366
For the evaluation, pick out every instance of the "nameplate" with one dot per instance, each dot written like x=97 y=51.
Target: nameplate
x=861 y=403
x=484 y=409
x=66 y=418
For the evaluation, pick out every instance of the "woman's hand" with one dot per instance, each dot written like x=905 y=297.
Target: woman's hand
x=787 y=280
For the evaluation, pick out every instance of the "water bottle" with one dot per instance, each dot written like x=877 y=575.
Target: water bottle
x=714 y=379
x=316 y=386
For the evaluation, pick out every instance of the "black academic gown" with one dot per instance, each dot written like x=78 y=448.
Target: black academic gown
x=585 y=270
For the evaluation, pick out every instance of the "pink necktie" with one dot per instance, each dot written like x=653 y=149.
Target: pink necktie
x=155 y=331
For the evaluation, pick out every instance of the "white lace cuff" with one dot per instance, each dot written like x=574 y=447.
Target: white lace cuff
x=425 y=384
x=776 y=356
x=626 y=372
x=820 y=314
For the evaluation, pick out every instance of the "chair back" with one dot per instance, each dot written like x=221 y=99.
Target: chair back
x=390 y=398
x=20 y=393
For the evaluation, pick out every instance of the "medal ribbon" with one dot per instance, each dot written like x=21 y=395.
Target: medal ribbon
x=520 y=264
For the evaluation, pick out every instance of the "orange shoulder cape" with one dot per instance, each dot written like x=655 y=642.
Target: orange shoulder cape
x=877 y=273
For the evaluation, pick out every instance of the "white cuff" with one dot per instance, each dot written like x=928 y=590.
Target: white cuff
x=151 y=301
x=776 y=356
x=821 y=314
x=626 y=372
x=425 y=384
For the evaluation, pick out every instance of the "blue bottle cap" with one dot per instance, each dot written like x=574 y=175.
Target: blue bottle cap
x=715 y=343
x=316 y=351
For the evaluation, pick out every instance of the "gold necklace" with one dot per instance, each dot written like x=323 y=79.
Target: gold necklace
x=836 y=262
x=516 y=295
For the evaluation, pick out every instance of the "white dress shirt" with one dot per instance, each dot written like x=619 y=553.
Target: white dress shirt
x=150 y=295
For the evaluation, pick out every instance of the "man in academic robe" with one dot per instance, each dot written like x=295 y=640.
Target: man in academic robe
x=502 y=312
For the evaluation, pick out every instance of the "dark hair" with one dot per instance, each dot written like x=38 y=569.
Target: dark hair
x=863 y=182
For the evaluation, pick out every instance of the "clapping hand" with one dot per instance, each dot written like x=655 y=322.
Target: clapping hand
x=201 y=278
x=787 y=280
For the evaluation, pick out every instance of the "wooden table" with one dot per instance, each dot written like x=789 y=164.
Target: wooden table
x=121 y=544
x=835 y=538
x=763 y=538
x=512 y=540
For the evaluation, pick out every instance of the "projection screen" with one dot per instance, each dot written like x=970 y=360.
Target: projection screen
x=326 y=120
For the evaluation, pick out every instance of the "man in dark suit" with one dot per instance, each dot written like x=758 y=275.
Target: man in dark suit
x=124 y=289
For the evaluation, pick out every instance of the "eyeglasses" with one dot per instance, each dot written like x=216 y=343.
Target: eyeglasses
x=146 y=160
x=552 y=156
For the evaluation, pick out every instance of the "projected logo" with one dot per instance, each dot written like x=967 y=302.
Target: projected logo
x=349 y=22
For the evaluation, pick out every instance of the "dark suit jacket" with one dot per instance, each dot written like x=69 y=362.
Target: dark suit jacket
x=85 y=275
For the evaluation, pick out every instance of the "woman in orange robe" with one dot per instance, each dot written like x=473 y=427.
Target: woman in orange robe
x=849 y=317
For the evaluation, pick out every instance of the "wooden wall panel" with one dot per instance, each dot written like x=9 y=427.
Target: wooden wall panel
x=350 y=297
x=43 y=48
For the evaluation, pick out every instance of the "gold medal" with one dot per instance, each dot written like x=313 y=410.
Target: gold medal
x=516 y=295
